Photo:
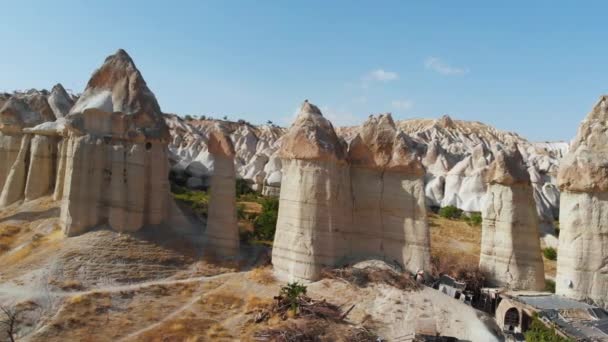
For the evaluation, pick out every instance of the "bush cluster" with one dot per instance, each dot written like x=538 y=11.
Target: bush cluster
x=550 y=253
x=450 y=212
x=266 y=223
x=453 y=213
x=539 y=332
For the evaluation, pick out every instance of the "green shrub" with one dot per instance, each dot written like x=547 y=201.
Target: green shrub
x=474 y=219
x=550 y=253
x=549 y=285
x=195 y=199
x=539 y=332
x=450 y=212
x=292 y=293
x=266 y=223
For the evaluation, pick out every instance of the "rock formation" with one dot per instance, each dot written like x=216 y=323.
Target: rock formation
x=314 y=205
x=19 y=177
x=222 y=233
x=338 y=205
x=582 y=262
x=455 y=153
x=387 y=184
x=510 y=245
x=114 y=154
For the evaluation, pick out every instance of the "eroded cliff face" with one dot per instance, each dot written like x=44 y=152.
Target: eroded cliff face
x=388 y=206
x=510 y=245
x=582 y=262
x=113 y=155
x=222 y=232
x=342 y=204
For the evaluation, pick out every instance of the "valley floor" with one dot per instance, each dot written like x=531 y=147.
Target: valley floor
x=154 y=286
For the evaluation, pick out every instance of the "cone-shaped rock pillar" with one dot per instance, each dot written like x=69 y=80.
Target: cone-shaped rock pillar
x=510 y=245
x=315 y=201
x=582 y=258
x=114 y=158
x=389 y=211
x=222 y=233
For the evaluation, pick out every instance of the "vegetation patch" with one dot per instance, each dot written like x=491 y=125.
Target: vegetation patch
x=197 y=200
x=550 y=253
x=539 y=332
x=450 y=212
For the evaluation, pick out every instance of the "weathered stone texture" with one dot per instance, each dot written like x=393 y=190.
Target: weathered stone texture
x=510 y=245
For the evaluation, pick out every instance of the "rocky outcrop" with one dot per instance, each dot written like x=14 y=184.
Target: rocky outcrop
x=314 y=205
x=464 y=183
x=60 y=101
x=222 y=232
x=388 y=204
x=582 y=262
x=455 y=153
x=344 y=204
x=114 y=154
x=41 y=171
x=27 y=161
x=510 y=245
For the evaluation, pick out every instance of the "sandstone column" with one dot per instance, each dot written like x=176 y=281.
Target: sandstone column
x=85 y=168
x=222 y=233
x=62 y=150
x=15 y=181
x=114 y=157
x=41 y=172
x=315 y=201
x=510 y=243
x=582 y=260
x=9 y=149
x=389 y=211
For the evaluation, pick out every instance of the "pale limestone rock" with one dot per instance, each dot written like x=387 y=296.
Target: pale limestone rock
x=464 y=183
x=60 y=101
x=41 y=172
x=389 y=212
x=116 y=159
x=314 y=205
x=15 y=181
x=583 y=247
x=582 y=260
x=9 y=149
x=62 y=150
x=510 y=245
x=222 y=233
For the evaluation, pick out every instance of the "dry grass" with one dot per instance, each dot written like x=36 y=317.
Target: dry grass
x=455 y=240
x=370 y=275
x=262 y=275
x=108 y=316
x=309 y=330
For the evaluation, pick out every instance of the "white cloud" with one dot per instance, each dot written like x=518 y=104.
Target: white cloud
x=439 y=66
x=402 y=105
x=381 y=75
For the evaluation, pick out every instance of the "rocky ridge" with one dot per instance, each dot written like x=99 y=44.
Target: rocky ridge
x=455 y=154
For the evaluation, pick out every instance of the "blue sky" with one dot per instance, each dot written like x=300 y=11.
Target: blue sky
x=535 y=68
